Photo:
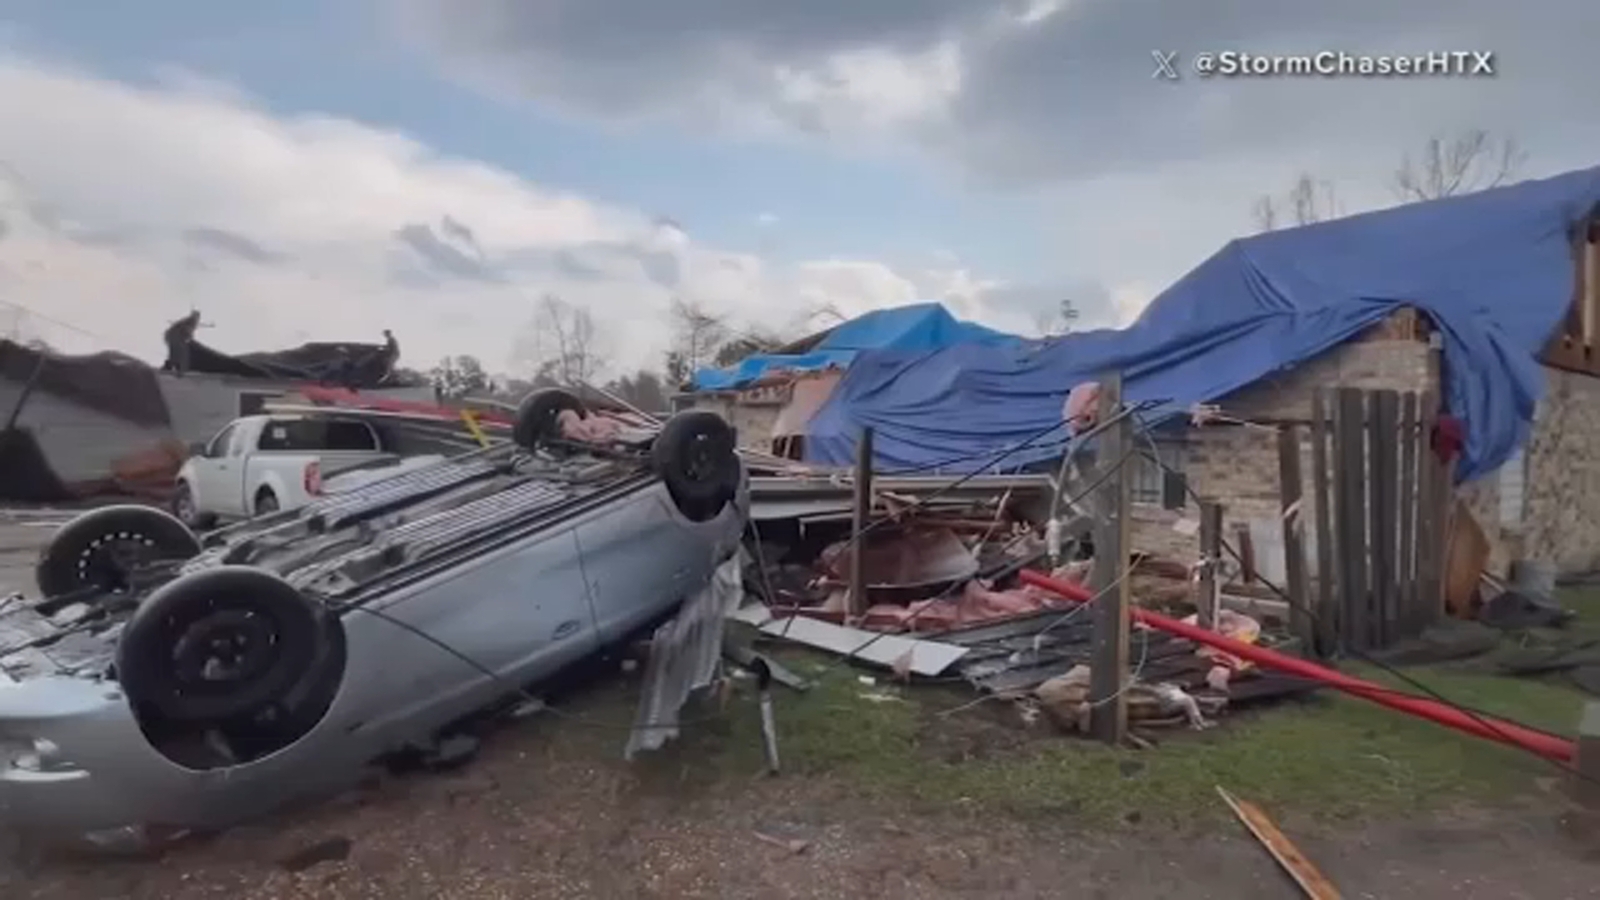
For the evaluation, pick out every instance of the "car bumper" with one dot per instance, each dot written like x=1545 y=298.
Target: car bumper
x=74 y=762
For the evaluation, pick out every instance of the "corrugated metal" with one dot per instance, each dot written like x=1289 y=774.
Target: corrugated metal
x=683 y=657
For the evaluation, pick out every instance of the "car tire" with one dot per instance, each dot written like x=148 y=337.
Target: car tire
x=275 y=639
x=96 y=547
x=537 y=416
x=266 y=503
x=185 y=510
x=697 y=457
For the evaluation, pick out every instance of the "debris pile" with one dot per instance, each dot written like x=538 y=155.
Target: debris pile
x=941 y=598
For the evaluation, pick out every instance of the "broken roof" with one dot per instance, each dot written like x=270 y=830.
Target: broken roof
x=1493 y=271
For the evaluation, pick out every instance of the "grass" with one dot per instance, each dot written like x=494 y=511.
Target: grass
x=1329 y=756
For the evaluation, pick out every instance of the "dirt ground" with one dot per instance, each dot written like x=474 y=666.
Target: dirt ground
x=549 y=810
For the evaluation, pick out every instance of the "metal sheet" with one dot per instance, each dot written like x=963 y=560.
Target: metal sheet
x=928 y=658
x=683 y=657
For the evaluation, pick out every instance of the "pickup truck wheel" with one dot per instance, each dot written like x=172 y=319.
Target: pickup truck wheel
x=537 y=416
x=696 y=456
x=266 y=503
x=185 y=509
x=222 y=643
x=102 y=547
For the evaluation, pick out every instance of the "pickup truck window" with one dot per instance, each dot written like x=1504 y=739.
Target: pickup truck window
x=219 y=444
x=317 y=435
x=238 y=445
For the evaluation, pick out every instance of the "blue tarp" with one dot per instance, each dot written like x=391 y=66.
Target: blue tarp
x=1492 y=270
x=916 y=328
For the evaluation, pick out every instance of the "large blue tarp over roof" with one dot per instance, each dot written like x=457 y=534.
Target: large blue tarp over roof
x=1492 y=270
x=913 y=329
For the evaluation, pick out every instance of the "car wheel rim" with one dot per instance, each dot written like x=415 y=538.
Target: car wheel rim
x=699 y=461
x=223 y=648
x=108 y=560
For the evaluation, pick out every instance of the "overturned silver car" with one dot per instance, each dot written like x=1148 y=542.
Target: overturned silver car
x=164 y=682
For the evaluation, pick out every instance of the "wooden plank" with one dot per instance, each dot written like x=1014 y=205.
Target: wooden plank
x=1210 y=597
x=1383 y=421
x=1327 y=578
x=1291 y=494
x=1351 y=464
x=1305 y=873
x=860 y=519
x=1429 y=538
x=1108 y=678
x=1585 y=778
x=1406 y=561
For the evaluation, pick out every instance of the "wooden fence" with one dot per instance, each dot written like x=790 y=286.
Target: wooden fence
x=1379 y=499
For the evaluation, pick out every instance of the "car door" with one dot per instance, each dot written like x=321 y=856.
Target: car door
x=215 y=475
x=640 y=559
x=521 y=612
x=239 y=447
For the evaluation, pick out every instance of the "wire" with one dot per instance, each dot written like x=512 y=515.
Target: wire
x=521 y=692
x=1487 y=722
x=1027 y=442
x=928 y=604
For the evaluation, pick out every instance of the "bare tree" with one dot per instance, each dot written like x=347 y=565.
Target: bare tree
x=1058 y=321
x=576 y=359
x=697 y=334
x=1265 y=213
x=825 y=314
x=558 y=345
x=1309 y=200
x=747 y=344
x=1473 y=160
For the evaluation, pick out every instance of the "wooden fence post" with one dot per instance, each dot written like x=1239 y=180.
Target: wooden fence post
x=1209 y=601
x=1108 y=713
x=861 y=519
x=1327 y=568
x=1302 y=622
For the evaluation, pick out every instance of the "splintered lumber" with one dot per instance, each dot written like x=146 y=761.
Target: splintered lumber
x=1302 y=870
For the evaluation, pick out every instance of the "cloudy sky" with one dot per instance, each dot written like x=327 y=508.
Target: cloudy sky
x=322 y=170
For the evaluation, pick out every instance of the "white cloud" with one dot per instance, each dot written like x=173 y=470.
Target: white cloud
x=1129 y=300
x=129 y=204
x=1132 y=179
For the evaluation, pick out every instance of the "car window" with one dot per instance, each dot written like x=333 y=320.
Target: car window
x=317 y=435
x=219 y=444
x=237 y=442
x=346 y=434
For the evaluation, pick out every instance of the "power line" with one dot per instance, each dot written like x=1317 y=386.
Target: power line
x=47 y=318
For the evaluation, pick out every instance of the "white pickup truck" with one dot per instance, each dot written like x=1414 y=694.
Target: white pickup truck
x=262 y=464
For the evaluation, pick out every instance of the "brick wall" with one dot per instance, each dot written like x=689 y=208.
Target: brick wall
x=1238 y=465
x=1560 y=520
x=1561 y=505
x=752 y=413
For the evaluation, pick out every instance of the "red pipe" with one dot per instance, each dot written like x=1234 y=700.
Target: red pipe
x=1547 y=745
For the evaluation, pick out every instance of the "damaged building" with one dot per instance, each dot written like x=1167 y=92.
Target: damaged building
x=1270 y=321
x=110 y=423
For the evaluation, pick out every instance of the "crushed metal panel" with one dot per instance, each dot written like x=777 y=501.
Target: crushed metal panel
x=928 y=658
x=683 y=657
x=780 y=508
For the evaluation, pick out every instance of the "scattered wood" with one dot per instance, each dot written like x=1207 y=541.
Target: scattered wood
x=1311 y=880
x=793 y=845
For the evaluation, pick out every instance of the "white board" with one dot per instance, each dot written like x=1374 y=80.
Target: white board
x=928 y=658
